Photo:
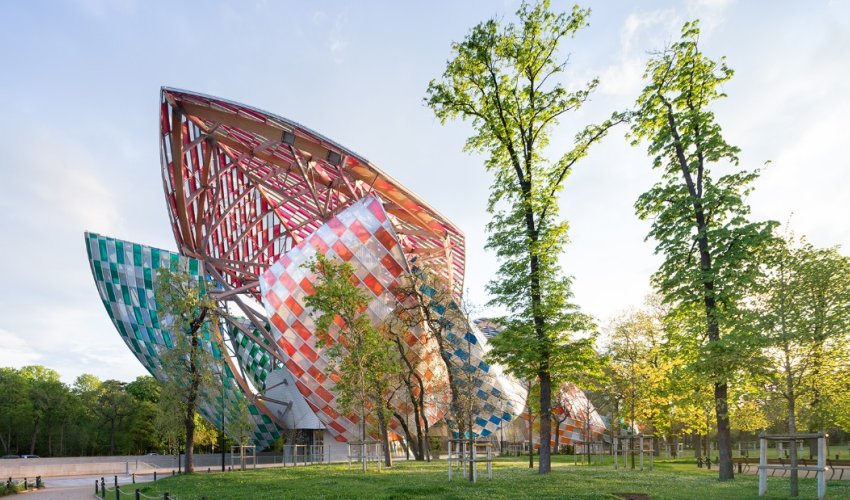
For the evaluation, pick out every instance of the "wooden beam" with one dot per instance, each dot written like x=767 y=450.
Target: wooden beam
x=177 y=181
x=202 y=200
x=312 y=148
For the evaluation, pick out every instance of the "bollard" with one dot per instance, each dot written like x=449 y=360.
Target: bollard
x=102 y=488
x=26 y=485
x=117 y=492
x=116 y=480
x=172 y=472
x=38 y=483
x=208 y=470
x=154 y=475
x=138 y=495
x=134 y=478
x=96 y=489
x=740 y=468
x=165 y=495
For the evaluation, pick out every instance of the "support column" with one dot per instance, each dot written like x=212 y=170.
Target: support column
x=762 y=466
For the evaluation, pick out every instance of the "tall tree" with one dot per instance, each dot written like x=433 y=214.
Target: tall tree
x=359 y=354
x=700 y=221
x=15 y=407
x=505 y=78
x=190 y=364
x=112 y=406
x=47 y=394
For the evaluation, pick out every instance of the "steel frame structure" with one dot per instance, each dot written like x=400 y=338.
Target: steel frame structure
x=245 y=189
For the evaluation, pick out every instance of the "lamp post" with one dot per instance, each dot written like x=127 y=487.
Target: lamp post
x=221 y=433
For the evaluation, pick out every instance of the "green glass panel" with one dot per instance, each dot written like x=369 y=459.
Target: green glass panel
x=101 y=245
x=137 y=255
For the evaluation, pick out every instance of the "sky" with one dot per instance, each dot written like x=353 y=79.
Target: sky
x=80 y=82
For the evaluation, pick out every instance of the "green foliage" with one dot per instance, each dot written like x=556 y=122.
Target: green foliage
x=700 y=220
x=193 y=362
x=804 y=315
x=90 y=417
x=359 y=354
x=144 y=388
x=505 y=79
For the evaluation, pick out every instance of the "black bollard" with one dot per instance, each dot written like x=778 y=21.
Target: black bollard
x=208 y=470
x=740 y=468
x=134 y=478
x=117 y=492
x=154 y=475
x=26 y=485
x=172 y=472
x=138 y=495
x=102 y=488
x=115 y=478
x=96 y=488
x=165 y=496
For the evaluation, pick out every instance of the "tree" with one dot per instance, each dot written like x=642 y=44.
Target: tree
x=804 y=312
x=360 y=356
x=700 y=222
x=86 y=389
x=144 y=388
x=15 y=407
x=112 y=406
x=47 y=394
x=505 y=79
x=189 y=363
x=425 y=301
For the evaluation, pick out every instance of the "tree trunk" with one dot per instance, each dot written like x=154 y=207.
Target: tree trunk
x=385 y=439
x=34 y=436
x=697 y=445
x=412 y=443
x=363 y=436
x=112 y=436
x=557 y=434
x=792 y=424
x=530 y=438
x=724 y=435
x=711 y=311
x=426 y=450
x=190 y=410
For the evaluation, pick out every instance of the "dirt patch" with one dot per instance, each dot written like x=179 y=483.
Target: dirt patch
x=633 y=496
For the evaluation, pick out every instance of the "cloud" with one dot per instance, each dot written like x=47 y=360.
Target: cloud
x=63 y=176
x=640 y=33
x=16 y=351
x=336 y=42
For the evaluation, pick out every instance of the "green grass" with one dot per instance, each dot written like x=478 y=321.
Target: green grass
x=512 y=479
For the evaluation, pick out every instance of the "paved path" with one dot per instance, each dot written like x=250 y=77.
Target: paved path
x=77 y=488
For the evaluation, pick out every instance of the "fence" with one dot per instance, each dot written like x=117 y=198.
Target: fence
x=305 y=454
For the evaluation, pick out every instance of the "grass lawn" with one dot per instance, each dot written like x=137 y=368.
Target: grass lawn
x=511 y=479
